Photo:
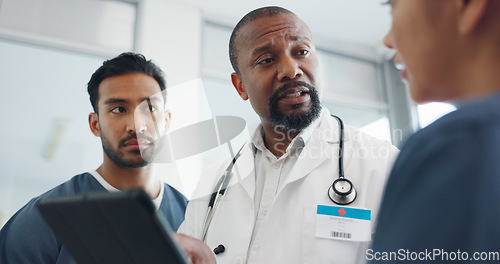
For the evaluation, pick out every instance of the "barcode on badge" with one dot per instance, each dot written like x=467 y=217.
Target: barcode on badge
x=340 y=235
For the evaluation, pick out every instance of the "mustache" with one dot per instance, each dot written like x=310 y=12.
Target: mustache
x=293 y=84
x=295 y=122
x=134 y=136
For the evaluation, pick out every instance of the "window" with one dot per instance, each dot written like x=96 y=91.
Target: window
x=430 y=112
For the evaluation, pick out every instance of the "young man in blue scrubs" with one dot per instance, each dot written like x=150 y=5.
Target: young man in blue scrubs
x=128 y=95
x=443 y=195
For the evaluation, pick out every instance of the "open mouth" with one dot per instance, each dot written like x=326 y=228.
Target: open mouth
x=295 y=97
x=294 y=93
x=402 y=70
x=399 y=66
x=297 y=94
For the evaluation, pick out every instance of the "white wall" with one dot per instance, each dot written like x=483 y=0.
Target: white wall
x=171 y=34
x=44 y=110
x=103 y=28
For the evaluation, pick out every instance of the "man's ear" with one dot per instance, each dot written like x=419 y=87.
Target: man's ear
x=471 y=13
x=94 y=124
x=168 y=118
x=238 y=84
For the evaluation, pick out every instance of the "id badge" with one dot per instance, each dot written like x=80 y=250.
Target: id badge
x=343 y=223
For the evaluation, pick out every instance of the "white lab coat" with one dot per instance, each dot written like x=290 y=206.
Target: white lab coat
x=287 y=235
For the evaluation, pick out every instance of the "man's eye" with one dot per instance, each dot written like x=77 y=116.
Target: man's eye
x=303 y=52
x=152 y=108
x=265 y=61
x=118 y=110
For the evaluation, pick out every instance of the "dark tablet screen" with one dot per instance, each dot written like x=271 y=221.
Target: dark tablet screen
x=112 y=227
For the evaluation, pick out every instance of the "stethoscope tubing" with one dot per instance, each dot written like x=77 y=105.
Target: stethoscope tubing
x=219 y=191
x=222 y=184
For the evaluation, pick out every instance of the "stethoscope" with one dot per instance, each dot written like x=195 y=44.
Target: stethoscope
x=341 y=191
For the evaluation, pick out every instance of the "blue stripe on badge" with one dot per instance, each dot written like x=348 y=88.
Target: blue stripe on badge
x=347 y=212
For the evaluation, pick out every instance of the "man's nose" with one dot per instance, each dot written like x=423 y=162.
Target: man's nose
x=288 y=69
x=137 y=123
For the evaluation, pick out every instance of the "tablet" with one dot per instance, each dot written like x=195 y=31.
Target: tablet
x=112 y=227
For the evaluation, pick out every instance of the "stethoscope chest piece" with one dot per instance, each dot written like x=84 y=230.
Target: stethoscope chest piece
x=342 y=191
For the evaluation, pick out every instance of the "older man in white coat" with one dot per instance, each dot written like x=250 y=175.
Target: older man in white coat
x=278 y=207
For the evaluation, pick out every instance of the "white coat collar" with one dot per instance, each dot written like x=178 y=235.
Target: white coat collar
x=321 y=146
x=318 y=148
x=244 y=170
x=257 y=138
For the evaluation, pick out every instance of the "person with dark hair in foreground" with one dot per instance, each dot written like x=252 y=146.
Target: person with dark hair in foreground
x=128 y=96
x=442 y=202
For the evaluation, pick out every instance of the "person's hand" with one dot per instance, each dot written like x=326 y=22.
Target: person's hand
x=197 y=251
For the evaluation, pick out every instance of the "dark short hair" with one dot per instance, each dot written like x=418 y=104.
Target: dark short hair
x=268 y=11
x=124 y=63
